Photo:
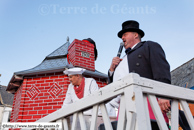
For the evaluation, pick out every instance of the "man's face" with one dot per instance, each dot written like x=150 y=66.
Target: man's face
x=129 y=39
x=73 y=79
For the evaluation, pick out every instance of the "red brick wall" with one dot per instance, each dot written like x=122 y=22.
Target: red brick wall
x=82 y=54
x=17 y=103
x=41 y=95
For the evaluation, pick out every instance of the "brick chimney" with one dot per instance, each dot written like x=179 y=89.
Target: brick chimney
x=81 y=54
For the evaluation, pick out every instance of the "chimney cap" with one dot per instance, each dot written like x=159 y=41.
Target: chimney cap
x=67 y=39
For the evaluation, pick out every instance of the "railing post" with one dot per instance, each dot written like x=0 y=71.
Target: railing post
x=105 y=117
x=141 y=110
x=147 y=111
x=157 y=112
x=60 y=121
x=130 y=108
x=94 y=117
x=122 y=114
x=82 y=121
x=74 y=123
x=137 y=113
x=174 y=115
x=65 y=124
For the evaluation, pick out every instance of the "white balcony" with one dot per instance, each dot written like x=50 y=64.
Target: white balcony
x=133 y=112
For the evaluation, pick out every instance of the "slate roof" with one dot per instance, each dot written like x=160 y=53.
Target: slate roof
x=6 y=98
x=63 y=50
x=56 y=61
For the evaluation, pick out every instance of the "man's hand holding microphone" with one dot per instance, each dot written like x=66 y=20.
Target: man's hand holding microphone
x=116 y=60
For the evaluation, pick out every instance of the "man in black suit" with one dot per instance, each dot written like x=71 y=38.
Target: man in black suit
x=145 y=58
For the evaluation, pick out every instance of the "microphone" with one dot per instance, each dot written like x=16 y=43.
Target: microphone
x=120 y=49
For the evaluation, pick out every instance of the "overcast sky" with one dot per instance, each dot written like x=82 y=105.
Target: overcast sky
x=32 y=29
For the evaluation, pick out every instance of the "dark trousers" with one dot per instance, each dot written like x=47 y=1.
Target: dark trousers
x=183 y=121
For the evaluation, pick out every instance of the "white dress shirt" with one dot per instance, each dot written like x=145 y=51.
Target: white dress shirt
x=120 y=72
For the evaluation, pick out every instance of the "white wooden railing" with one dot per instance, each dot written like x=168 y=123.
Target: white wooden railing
x=133 y=112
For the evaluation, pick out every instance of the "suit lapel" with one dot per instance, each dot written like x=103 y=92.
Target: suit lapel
x=137 y=46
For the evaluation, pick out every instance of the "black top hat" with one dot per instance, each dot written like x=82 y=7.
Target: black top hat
x=130 y=26
x=95 y=50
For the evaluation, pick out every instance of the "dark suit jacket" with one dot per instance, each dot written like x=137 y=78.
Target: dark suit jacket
x=148 y=60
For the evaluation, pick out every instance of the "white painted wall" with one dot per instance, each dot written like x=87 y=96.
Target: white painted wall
x=4 y=114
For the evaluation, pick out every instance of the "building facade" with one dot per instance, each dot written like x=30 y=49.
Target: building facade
x=183 y=76
x=6 y=101
x=41 y=90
